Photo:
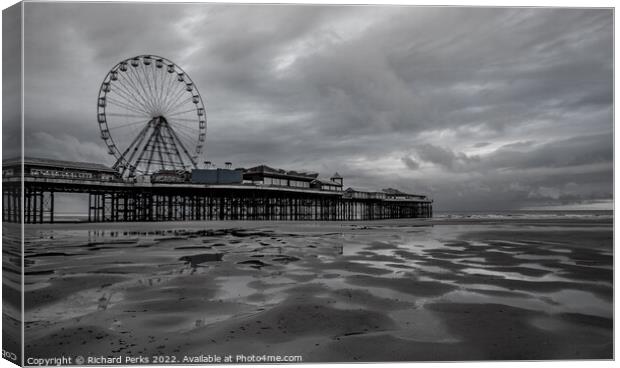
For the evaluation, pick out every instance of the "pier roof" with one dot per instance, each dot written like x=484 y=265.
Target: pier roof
x=35 y=161
x=398 y=193
x=326 y=182
x=264 y=169
x=393 y=191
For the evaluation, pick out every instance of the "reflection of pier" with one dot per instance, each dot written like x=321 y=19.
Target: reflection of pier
x=112 y=199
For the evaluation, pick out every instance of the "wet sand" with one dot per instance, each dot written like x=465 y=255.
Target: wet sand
x=395 y=290
x=11 y=295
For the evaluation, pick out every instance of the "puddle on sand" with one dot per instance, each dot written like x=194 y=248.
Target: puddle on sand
x=486 y=287
x=234 y=287
x=469 y=260
x=559 y=326
x=576 y=301
x=564 y=301
x=432 y=269
x=207 y=320
x=36 y=286
x=76 y=305
x=426 y=244
x=380 y=292
x=536 y=257
x=513 y=275
x=197 y=259
x=464 y=296
x=254 y=263
x=394 y=268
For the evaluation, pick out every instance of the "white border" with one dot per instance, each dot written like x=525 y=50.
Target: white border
x=483 y=3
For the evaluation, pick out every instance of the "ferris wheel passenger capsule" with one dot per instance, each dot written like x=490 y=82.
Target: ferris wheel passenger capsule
x=165 y=96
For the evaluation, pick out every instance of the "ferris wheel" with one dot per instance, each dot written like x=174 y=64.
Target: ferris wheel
x=151 y=116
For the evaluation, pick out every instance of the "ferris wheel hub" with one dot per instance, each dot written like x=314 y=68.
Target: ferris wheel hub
x=171 y=129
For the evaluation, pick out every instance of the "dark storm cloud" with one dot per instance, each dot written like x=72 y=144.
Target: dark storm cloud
x=443 y=156
x=481 y=108
x=410 y=163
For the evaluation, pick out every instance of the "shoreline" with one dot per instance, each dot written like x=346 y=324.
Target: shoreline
x=217 y=224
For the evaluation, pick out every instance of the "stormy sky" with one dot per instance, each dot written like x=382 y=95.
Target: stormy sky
x=483 y=109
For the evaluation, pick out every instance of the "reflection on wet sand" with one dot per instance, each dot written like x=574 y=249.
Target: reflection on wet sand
x=380 y=291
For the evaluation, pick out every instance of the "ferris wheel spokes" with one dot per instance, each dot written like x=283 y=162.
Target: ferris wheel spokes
x=157 y=100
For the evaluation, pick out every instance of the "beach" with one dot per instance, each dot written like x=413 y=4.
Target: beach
x=446 y=289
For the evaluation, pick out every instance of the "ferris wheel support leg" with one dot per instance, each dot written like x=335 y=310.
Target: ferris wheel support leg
x=139 y=138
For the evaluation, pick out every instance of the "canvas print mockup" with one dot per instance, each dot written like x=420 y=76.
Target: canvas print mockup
x=192 y=183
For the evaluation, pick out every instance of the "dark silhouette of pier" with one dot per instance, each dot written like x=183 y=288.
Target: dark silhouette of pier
x=113 y=199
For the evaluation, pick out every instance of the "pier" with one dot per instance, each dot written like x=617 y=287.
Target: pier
x=158 y=176
x=113 y=199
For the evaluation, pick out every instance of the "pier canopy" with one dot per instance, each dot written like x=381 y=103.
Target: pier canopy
x=391 y=193
x=49 y=168
x=327 y=184
x=265 y=175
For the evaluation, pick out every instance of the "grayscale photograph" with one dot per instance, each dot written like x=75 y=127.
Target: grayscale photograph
x=197 y=183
